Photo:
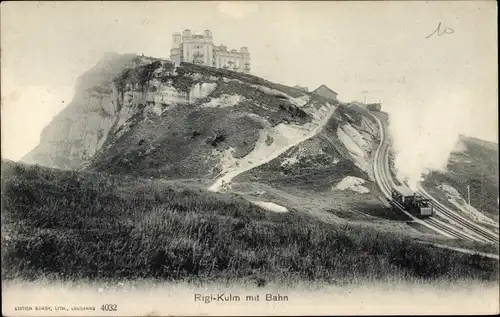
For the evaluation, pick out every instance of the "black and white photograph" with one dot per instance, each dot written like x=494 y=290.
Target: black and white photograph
x=246 y=158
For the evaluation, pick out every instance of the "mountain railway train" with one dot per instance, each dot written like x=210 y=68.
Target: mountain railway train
x=415 y=204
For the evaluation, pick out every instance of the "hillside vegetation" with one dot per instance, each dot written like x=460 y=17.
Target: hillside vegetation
x=71 y=225
x=311 y=171
x=474 y=164
x=321 y=161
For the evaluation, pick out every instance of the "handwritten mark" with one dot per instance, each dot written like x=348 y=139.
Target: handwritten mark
x=440 y=31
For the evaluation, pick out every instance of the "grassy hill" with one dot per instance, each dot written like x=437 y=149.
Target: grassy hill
x=69 y=225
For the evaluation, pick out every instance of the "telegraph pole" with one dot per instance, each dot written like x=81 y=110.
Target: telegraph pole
x=468 y=195
x=364 y=95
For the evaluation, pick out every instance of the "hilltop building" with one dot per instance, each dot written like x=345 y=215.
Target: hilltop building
x=325 y=92
x=199 y=49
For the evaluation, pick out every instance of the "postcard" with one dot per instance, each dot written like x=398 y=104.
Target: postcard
x=249 y=158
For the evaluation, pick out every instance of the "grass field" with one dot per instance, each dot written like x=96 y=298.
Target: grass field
x=72 y=225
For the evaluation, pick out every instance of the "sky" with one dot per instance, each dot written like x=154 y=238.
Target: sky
x=381 y=51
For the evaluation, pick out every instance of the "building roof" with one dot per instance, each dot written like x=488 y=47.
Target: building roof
x=324 y=86
x=404 y=190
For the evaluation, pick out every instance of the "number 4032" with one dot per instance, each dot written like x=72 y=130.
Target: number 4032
x=109 y=307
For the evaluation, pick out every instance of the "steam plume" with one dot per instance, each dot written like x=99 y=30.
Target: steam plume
x=425 y=132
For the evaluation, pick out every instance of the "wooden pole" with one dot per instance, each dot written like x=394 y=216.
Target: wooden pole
x=468 y=196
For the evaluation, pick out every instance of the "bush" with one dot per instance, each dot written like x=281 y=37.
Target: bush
x=220 y=136
x=269 y=140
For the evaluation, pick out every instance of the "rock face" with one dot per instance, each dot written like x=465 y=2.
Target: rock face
x=78 y=131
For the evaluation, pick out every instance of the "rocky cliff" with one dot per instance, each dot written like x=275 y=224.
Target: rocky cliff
x=78 y=131
x=145 y=117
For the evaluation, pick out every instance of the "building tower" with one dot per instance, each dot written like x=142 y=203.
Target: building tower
x=176 y=50
x=176 y=39
x=245 y=59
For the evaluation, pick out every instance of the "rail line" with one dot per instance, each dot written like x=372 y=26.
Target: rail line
x=467 y=230
x=483 y=233
x=440 y=225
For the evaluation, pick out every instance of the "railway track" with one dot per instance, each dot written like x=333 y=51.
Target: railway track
x=483 y=233
x=461 y=229
x=438 y=224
